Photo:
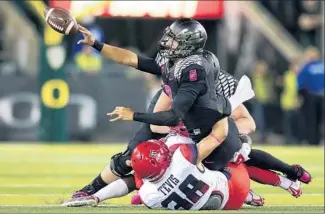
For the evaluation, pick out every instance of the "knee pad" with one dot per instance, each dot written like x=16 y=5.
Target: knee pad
x=215 y=202
x=244 y=138
x=118 y=163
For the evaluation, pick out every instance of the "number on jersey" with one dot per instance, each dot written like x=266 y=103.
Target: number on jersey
x=193 y=188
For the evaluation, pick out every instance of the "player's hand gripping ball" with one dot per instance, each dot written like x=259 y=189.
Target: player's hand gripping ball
x=61 y=20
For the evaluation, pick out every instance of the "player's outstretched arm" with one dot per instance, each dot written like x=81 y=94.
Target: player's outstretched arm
x=187 y=94
x=119 y=55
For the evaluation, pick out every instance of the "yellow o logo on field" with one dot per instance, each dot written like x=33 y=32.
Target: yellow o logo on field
x=47 y=93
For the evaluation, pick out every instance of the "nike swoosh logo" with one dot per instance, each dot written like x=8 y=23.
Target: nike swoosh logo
x=208 y=161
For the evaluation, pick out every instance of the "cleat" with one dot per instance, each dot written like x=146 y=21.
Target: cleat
x=295 y=189
x=79 y=194
x=300 y=174
x=136 y=200
x=303 y=175
x=86 y=191
x=90 y=200
x=254 y=199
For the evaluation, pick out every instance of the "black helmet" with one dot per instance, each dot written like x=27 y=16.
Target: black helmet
x=183 y=38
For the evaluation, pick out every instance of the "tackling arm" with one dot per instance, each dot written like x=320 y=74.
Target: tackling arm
x=163 y=104
x=244 y=121
x=213 y=140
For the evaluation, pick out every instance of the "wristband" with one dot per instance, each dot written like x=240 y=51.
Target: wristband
x=217 y=139
x=98 y=45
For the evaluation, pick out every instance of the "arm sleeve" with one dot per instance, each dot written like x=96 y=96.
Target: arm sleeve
x=191 y=87
x=148 y=65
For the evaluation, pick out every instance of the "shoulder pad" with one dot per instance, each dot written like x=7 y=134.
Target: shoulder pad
x=186 y=62
x=212 y=59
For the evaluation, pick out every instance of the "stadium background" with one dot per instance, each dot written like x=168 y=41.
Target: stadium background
x=54 y=95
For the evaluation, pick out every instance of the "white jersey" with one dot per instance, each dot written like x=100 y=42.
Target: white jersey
x=184 y=186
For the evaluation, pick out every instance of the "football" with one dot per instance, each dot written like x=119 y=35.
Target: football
x=61 y=20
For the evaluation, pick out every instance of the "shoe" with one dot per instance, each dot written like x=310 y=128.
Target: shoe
x=254 y=199
x=295 y=189
x=82 y=201
x=79 y=194
x=303 y=175
x=87 y=190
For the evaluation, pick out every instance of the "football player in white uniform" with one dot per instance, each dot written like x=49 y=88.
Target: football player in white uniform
x=167 y=174
x=167 y=185
x=191 y=186
x=237 y=185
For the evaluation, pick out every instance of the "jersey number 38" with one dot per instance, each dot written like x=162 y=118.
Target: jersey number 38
x=192 y=188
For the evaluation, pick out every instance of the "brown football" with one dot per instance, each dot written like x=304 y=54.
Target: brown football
x=61 y=20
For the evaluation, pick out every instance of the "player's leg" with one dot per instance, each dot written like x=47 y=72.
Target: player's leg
x=115 y=189
x=215 y=201
x=271 y=178
x=264 y=160
x=223 y=154
x=118 y=166
x=239 y=185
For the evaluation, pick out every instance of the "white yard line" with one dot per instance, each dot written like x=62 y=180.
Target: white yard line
x=38 y=185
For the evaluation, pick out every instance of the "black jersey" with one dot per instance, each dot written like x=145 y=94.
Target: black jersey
x=225 y=83
x=190 y=82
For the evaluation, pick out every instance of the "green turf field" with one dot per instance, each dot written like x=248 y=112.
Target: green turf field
x=36 y=178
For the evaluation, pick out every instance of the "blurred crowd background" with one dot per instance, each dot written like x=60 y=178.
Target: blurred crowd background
x=278 y=44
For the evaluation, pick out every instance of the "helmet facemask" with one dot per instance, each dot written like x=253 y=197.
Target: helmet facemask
x=168 y=44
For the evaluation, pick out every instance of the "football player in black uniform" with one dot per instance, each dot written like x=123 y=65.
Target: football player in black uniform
x=189 y=81
x=187 y=71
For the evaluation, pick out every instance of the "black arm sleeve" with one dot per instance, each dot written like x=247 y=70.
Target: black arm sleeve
x=148 y=65
x=184 y=99
x=162 y=118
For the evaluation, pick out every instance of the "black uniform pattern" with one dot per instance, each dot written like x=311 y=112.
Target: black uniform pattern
x=191 y=60
x=226 y=84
